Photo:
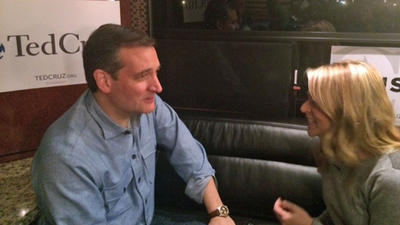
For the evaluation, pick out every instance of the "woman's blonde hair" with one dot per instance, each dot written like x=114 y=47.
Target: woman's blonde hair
x=352 y=94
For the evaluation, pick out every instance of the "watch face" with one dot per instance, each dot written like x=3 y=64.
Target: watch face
x=223 y=211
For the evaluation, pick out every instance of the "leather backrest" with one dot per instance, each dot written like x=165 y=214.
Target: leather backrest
x=283 y=142
x=255 y=162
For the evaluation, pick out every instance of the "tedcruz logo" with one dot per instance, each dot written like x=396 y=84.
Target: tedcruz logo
x=2 y=50
x=52 y=46
x=68 y=43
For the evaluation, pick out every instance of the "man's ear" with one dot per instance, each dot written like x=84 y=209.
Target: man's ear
x=103 y=80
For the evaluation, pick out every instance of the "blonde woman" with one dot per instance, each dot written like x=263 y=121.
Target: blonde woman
x=358 y=157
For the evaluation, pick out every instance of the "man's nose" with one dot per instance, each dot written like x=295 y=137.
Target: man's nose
x=156 y=85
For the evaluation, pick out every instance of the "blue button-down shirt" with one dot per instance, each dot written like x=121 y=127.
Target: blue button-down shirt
x=89 y=170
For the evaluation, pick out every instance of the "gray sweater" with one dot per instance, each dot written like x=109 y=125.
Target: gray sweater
x=374 y=198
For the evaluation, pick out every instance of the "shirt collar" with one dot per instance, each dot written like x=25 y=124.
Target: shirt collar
x=109 y=128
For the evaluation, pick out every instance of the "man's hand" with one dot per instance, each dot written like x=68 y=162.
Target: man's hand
x=289 y=213
x=221 y=221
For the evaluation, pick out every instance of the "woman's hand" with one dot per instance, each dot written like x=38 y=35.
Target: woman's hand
x=289 y=213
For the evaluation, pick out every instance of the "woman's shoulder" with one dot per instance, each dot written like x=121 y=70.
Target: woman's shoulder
x=383 y=190
x=395 y=159
x=386 y=171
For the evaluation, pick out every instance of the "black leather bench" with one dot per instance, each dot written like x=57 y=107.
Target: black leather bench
x=255 y=162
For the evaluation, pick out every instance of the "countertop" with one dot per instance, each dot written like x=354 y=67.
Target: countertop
x=17 y=200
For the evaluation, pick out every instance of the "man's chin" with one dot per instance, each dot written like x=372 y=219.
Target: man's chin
x=149 y=109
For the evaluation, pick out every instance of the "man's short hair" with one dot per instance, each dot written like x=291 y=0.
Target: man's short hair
x=101 y=51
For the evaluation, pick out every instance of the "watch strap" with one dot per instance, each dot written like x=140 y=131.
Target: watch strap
x=214 y=213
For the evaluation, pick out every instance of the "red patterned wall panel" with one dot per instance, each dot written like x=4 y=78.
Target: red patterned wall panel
x=135 y=14
x=25 y=116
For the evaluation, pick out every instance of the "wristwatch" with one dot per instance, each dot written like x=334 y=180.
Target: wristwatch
x=222 y=211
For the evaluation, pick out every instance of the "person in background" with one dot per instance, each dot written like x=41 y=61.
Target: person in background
x=96 y=163
x=358 y=157
x=319 y=25
x=219 y=15
x=244 y=20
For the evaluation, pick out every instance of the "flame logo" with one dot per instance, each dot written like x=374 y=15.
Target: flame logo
x=2 y=50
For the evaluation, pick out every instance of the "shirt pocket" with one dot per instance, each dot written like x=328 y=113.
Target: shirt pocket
x=148 y=152
x=116 y=197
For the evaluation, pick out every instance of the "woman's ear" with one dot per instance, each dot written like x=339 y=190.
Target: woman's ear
x=103 y=80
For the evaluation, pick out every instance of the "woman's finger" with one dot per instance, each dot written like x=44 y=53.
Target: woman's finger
x=279 y=210
x=289 y=206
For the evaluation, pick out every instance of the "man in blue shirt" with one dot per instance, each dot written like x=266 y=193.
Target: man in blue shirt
x=96 y=163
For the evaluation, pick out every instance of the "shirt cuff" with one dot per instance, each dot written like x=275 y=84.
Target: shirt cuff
x=195 y=188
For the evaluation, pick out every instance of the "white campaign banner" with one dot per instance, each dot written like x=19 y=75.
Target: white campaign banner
x=41 y=41
x=385 y=60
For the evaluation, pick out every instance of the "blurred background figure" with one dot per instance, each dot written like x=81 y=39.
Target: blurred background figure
x=221 y=16
x=320 y=25
x=244 y=19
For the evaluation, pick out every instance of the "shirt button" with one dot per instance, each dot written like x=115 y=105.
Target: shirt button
x=140 y=179
x=145 y=200
x=134 y=156
x=124 y=189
